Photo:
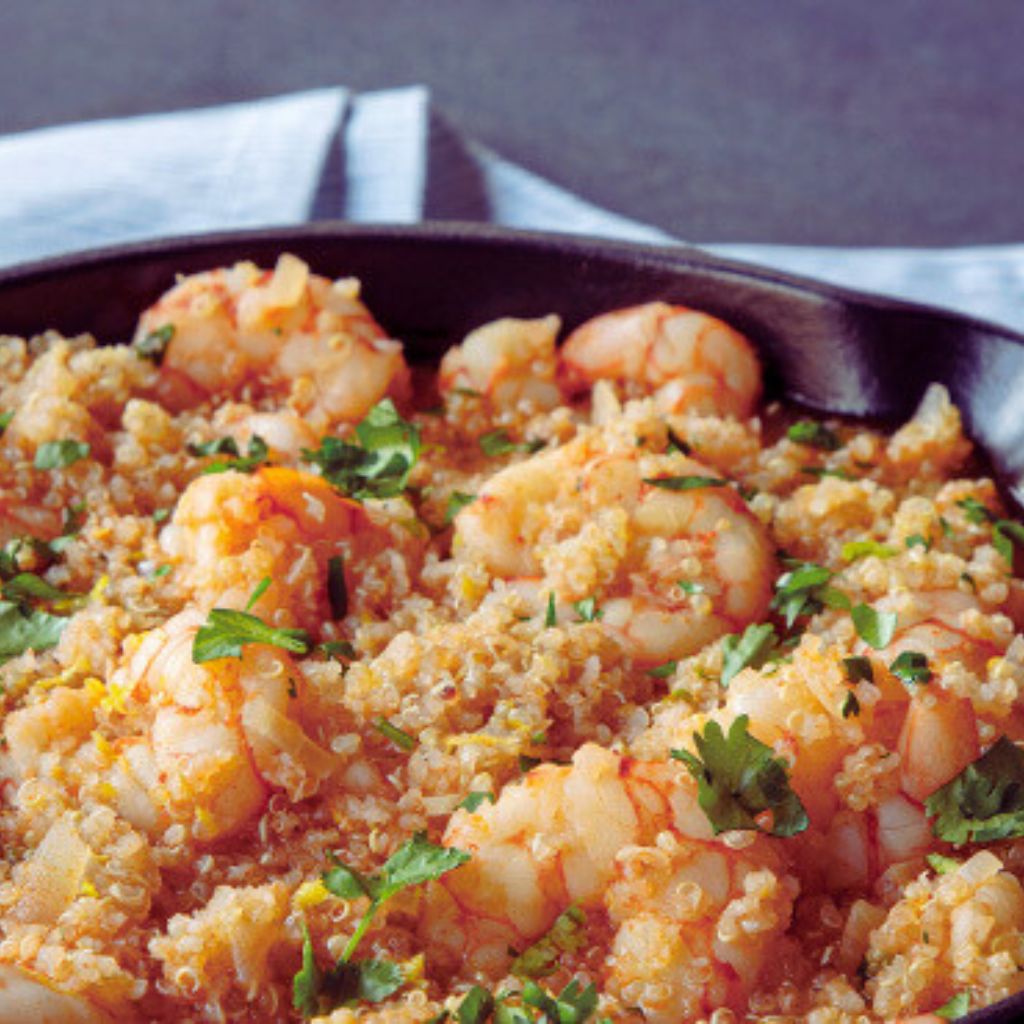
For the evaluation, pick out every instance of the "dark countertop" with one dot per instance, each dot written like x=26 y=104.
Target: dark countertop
x=748 y=120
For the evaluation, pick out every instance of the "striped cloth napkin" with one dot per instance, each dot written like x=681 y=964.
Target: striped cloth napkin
x=385 y=157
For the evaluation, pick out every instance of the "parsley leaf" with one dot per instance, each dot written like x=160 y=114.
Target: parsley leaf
x=153 y=345
x=60 y=454
x=690 y=587
x=1006 y=536
x=851 y=706
x=401 y=739
x=814 y=435
x=226 y=632
x=749 y=648
x=975 y=511
x=911 y=667
x=5 y=420
x=875 y=628
x=498 y=442
x=261 y=588
x=917 y=540
x=858 y=669
x=474 y=799
x=821 y=472
x=550 y=618
x=739 y=778
x=255 y=456
x=476 y=1007
x=587 y=610
x=337 y=590
x=457 y=501
x=566 y=935
x=985 y=801
x=664 y=670
x=854 y=549
x=22 y=629
x=685 y=483
x=28 y=585
x=308 y=980
x=804 y=590
x=379 y=465
x=571 y=1006
x=941 y=864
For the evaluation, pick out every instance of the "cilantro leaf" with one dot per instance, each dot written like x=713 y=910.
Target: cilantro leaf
x=587 y=610
x=345 y=882
x=749 y=648
x=685 y=483
x=985 y=801
x=5 y=420
x=475 y=798
x=1007 y=535
x=28 y=585
x=823 y=471
x=457 y=501
x=814 y=435
x=378 y=466
x=476 y=1007
x=851 y=706
x=255 y=456
x=60 y=454
x=337 y=589
x=498 y=442
x=226 y=632
x=22 y=630
x=218 y=446
x=308 y=980
x=917 y=540
x=566 y=935
x=664 y=670
x=855 y=549
x=941 y=864
x=875 y=628
x=805 y=590
x=975 y=511
x=739 y=778
x=415 y=862
x=690 y=587
x=571 y=1006
x=401 y=739
x=858 y=669
x=378 y=979
x=550 y=618
x=955 y=1007
x=153 y=345
x=911 y=667
x=261 y=589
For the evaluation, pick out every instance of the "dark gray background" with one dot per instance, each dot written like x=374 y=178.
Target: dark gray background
x=879 y=123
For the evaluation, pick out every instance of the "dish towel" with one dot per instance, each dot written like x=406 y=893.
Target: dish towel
x=378 y=157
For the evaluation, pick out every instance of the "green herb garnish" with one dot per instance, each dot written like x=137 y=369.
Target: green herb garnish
x=457 y=501
x=255 y=456
x=911 y=667
x=859 y=669
x=337 y=589
x=689 y=587
x=475 y=798
x=153 y=345
x=550 y=619
x=61 y=454
x=497 y=442
x=814 y=435
x=751 y=648
x=587 y=610
x=739 y=779
x=566 y=935
x=955 y=1007
x=941 y=864
x=664 y=670
x=227 y=631
x=875 y=628
x=917 y=540
x=805 y=590
x=685 y=483
x=23 y=629
x=401 y=739
x=855 y=549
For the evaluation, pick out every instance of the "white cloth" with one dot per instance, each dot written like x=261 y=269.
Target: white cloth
x=378 y=157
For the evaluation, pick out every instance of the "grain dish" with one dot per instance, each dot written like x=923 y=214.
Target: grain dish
x=552 y=683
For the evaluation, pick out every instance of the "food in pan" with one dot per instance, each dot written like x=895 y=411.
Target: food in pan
x=548 y=684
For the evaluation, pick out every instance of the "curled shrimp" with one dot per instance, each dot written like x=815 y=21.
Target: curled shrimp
x=284 y=331
x=509 y=361
x=673 y=894
x=689 y=360
x=585 y=521
x=217 y=737
x=232 y=530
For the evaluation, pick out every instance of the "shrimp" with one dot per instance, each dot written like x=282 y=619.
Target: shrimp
x=284 y=331
x=693 y=918
x=689 y=360
x=232 y=530
x=509 y=361
x=27 y=996
x=285 y=432
x=585 y=521
x=220 y=735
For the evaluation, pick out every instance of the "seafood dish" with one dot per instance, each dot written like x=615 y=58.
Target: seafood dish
x=569 y=679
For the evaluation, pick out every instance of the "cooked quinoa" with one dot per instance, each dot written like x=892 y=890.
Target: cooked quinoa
x=558 y=682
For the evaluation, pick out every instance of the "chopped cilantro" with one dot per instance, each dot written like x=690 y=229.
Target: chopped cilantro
x=457 y=501
x=255 y=456
x=528 y=763
x=917 y=540
x=941 y=864
x=855 y=549
x=985 y=801
x=859 y=669
x=28 y=585
x=676 y=443
x=875 y=628
x=566 y=935
x=751 y=648
x=379 y=465
x=685 y=483
x=571 y=1006
x=1006 y=536
x=161 y=570
x=955 y=1007
x=911 y=667
x=226 y=632
x=975 y=511
x=476 y=1007
x=474 y=799
x=814 y=435
x=23 y=629
x=969 y=580
x=851 y=706
x=739 y=779
x=161 y=515
x=550 y=619
x=5 y=420
x=337 y=590
x=60 y=454
x=401 y=739
x=587 y=610
x=664 y=670
x=822 y=472
x=340 y=649
x=498 y=442
x=947 y=529
x=689 y=587
x=308 y=979
x=261 y=589
x=805 y=590
x=153 y=345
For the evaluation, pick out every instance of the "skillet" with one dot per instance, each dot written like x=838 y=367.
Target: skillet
x=828 y=348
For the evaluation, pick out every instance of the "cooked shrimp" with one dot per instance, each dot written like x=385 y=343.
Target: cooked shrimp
x=284 y=331
x=27 y=996
x=687 y=359
x=509 y=361
x=584 y=521
x=695 y=918
x=220 y=735
x=231 y=530
x=285 y=432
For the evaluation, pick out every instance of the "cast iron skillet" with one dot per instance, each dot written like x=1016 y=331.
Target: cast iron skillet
x=833 y=350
